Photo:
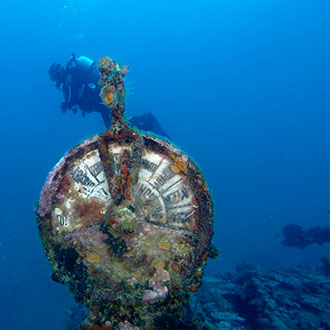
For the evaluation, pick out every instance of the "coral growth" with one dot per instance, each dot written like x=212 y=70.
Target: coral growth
x=112 y=82
x=109 y=96
x=89 y=210
x=123 y=182
x=49 y=189
x=93 y=257
x=178 y=165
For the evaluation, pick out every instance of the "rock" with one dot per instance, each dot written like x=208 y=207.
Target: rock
x=256 y=298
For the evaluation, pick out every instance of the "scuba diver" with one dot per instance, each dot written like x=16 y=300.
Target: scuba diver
x=78 y=82
x=296 y=236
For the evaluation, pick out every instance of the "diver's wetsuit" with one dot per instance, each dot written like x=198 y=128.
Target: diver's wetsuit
x=80 y=88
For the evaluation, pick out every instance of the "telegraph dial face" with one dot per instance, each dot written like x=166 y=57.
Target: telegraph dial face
x=137 y=250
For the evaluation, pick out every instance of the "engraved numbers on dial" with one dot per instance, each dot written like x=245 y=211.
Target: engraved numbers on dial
x=60 y=221
x=89 y=177
x=161 y=196
x=149 y=203
x=170 y=197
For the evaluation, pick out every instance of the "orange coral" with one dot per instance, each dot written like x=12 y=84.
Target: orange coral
x=108 y=98
x=204 y=257
x=124 y=172
x=109 y=95
x=124 y=182
x=179 y=165
x=93 y=257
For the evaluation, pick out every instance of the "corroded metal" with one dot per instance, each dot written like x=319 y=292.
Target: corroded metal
x=126 y=220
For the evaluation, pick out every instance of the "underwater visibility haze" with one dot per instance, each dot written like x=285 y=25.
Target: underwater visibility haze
x=242 y=87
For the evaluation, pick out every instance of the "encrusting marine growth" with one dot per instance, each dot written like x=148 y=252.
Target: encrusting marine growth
x=126 y=220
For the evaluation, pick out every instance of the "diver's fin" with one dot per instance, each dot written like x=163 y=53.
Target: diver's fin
x=106 y=117
x=148 y=122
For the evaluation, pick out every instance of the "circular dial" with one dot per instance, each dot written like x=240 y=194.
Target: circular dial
x=136 y=249
x=162 y=195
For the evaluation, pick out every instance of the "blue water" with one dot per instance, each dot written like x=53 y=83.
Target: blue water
x=241 y=85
